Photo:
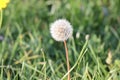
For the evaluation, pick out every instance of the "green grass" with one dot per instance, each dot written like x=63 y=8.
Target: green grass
x=28 y=51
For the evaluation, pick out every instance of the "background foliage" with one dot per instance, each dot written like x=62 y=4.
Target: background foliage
x=27 y=51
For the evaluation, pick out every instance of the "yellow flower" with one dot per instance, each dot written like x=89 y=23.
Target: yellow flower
x=3 y=3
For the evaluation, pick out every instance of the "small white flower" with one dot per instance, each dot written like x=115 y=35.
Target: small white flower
x=78 y=35
x=61 y=30
x=87 y=36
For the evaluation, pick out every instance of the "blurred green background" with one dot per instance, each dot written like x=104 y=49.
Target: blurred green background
x=27 y=48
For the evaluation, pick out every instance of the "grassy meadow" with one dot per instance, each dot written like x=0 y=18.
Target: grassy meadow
x=28 y=52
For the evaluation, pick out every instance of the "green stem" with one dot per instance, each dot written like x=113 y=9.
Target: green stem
x=1 y=16
x=67 y=58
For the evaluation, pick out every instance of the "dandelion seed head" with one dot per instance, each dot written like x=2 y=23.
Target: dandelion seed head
x=61 y=30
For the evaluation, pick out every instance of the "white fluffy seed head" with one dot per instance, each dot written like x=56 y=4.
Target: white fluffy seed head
x=61 y=30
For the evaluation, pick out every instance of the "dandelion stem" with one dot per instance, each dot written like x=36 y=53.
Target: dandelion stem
x=1 y=15
x=68 y=65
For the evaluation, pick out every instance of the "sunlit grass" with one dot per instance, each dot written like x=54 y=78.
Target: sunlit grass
x=28 y=52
